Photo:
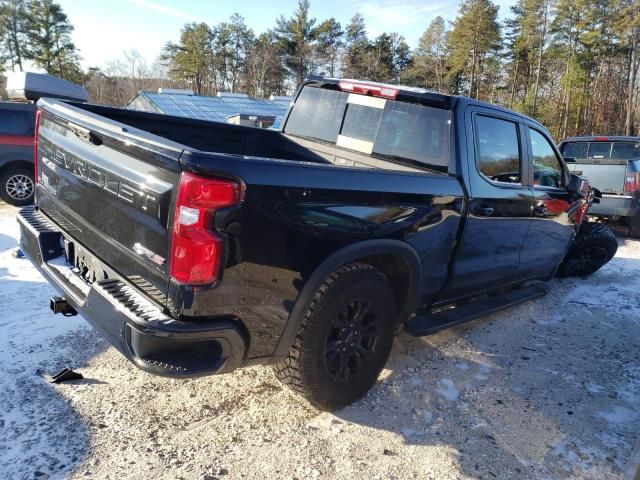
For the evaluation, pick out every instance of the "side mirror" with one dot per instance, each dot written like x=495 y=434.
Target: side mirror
x=569 y=159
x=579 y=186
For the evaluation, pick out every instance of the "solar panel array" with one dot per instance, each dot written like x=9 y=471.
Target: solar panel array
x=214 y=108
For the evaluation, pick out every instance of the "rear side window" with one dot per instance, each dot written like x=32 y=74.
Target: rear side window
x=625 y=151
x=600 y=150
x=575 y=149
x=16 y=122
x=498 y=150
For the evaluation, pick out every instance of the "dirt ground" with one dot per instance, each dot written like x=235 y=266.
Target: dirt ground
x=548 y=389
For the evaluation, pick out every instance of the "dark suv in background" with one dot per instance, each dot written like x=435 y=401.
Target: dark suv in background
x=612 y=165
x=17 y=122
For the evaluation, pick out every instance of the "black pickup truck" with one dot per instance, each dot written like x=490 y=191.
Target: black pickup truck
x=198 y=247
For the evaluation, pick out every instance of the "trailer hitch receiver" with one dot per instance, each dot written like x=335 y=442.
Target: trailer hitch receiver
x=60 y=305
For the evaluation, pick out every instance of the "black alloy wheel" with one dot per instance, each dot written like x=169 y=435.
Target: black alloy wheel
x=351 y=342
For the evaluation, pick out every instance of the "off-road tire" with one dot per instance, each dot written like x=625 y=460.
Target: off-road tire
x=310 y=367
x=593 y=247
x=634 y=226
x=9 y=183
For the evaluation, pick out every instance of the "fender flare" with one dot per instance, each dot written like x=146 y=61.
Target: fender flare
x=366 y=248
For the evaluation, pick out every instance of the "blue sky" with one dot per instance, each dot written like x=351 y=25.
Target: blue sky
x=105 y=28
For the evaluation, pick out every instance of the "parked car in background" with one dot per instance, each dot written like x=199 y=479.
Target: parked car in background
x=612 y=165
x=198 y=247
x=16 y=152
x=17 y=124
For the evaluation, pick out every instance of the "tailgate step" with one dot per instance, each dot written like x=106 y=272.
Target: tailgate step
x=47 y=239
x=132 y=301
x=37 y=221
x=455 y=314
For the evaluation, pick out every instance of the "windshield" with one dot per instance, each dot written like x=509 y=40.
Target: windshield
x=372 y=125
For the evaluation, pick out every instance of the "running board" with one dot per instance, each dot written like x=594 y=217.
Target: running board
x=457 y=313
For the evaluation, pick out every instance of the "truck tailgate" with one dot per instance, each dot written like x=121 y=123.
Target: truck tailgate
x=608 y=176
x=108 y=186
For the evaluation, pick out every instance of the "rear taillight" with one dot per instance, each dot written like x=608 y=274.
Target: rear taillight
x=632 y=182
x=367 y=89
x=35 y=145
x=196 y=250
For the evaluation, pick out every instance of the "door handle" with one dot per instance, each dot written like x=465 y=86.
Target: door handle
x=482 y=211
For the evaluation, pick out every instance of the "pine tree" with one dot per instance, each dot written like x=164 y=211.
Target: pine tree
x=380 y=59
x=232 y=41
x=48 y=36
x=475 y=36
x=627 y=28
x=430 y=58
x=296 y=38
x=191 y=59
x=264 y=73
x=401 y=58
x=354 y=61
x=12 y=31
x=569 y=20
x=329 y=37
x=527 y=36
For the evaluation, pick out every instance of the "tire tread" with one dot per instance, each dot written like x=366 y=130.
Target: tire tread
x=290 y=370
x=591 y=233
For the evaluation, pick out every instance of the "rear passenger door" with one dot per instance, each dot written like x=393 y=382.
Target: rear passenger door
x=500 y=204
x=552 y=227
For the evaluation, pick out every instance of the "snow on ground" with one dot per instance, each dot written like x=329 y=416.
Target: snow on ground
x=37 y=427
x=548 y=389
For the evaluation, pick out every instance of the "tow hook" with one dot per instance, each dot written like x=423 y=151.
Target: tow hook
x=60 y=305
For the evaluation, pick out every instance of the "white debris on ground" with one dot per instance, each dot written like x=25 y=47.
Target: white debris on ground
x=548 y=389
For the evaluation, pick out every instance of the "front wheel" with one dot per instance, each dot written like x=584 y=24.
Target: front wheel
x=17 y=186
x=344 y=340
x=593 y=247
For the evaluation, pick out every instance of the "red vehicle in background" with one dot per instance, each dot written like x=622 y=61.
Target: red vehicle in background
x=17 y=125
x=17 y=122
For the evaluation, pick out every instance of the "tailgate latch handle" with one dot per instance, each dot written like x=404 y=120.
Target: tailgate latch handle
x=84 y=134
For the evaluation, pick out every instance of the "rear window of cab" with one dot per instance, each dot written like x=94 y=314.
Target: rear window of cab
x=373 y=125
x=602 y=149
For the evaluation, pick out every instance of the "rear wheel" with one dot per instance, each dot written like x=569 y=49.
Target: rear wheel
x=17 y=186
x=344 y=339
x=593 y=247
